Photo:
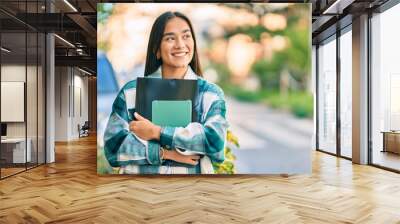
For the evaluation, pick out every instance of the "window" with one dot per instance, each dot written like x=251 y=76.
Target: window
x=385 y=89
x=327 y=96
x=346 y=93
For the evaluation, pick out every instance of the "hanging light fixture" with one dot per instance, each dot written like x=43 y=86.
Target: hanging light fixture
x=5 y=50
x=70 y=5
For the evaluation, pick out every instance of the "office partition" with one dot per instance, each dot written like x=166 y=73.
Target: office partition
x=22 y=77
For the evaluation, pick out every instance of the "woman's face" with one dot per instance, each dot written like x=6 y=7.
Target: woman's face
x=177 y=44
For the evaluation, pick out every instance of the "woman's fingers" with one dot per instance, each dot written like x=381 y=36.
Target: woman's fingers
x=132 y=125
x=188 y=159
x=195 y=157
x=193 y=162
x=139 y=117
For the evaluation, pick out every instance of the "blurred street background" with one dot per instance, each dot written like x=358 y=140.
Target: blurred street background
x=259 y=54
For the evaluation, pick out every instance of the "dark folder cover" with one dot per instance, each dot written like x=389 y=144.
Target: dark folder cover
x=151 y=89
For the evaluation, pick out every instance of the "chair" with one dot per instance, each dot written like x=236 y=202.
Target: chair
x=84 y=130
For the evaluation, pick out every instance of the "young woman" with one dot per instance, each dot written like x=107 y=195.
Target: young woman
x=139 y=146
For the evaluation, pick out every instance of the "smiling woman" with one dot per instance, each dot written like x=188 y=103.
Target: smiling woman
x=172 y=44
x=176 y=46
x=139 y=146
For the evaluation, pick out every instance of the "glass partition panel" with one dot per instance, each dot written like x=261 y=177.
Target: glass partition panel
x=41 y=98
x=31 y=98
x=22 y=64
x=14 y=153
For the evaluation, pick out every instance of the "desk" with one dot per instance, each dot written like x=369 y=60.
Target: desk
x=391 y=141
x=13 y=150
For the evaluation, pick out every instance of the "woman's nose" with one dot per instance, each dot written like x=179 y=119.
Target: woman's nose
x=179 y=43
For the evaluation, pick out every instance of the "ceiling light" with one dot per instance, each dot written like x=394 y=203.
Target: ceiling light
x=5 y=50
x=337 y=7
x=84 y=71
x=79 y=51
x=70 y=5
x=64 y=40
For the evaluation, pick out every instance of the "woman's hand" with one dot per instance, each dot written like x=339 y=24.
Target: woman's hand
x=176 y=156
x=144 y=129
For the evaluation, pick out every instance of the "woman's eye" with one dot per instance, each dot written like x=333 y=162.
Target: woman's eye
x=186 y=36
x=169 y=38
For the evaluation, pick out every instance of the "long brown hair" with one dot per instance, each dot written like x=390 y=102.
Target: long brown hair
x=157 y=31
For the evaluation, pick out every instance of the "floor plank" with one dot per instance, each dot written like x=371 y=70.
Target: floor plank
x=70 y=191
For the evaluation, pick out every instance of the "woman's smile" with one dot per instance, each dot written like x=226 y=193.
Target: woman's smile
x=180 y=53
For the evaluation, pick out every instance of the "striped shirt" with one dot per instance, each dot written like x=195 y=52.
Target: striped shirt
x=136 y=156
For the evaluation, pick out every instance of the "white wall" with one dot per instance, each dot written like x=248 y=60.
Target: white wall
x=14 y=73
x=70 y=84
x=61 y=103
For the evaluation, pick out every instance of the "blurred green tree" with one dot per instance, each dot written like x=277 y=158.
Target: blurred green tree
x=268 y=71
x=104 y=10
x=296 y=58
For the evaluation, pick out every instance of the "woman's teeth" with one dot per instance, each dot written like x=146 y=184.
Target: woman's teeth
x=179 y=54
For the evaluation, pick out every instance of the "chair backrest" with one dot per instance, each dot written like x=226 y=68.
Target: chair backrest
x=87 y=124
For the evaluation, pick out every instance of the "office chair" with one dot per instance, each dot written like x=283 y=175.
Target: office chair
x=84 y=130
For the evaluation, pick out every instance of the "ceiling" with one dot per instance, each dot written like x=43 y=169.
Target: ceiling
x=75 y=43
x=329 y=16
x=76 y=23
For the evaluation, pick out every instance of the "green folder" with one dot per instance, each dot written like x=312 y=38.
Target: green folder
x=175 y=113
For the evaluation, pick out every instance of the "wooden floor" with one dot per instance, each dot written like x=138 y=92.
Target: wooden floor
x=10 y=171
x=5 y=172
x=387 y=159
x=70 y=191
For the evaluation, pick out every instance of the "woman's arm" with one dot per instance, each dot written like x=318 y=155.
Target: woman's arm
x=121 y=146
x=145 y=129
x=206 y=137
x=124 y=145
